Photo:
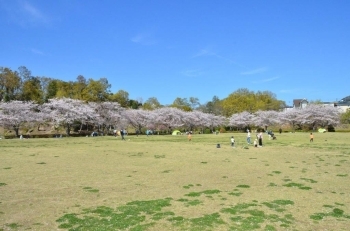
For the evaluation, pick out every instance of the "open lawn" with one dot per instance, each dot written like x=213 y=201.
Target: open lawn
x=169 y=183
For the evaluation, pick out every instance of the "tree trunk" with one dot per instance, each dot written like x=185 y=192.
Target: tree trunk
x=68 y=129
x=81 y=127
x=16 y=131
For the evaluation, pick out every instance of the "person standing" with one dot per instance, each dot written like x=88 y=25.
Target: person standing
x=189 y=136
x=248 y=137
x=232 y=142
x=260 y=138
x=122 y=134
x=311 y=137
x=280 y=130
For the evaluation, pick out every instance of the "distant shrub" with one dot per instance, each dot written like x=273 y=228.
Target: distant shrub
x=331 y=128
x=207 y=131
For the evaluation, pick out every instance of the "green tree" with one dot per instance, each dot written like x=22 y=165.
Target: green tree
x=239 y=101
x=52 y=88
x=31 y=90
x=345 y=117
x=24 y=73
x=122 y=97
x=245 y=100
x=194 y=102
x=10 y=83
x=44 y=83
x=151 y=104
x=65 y=89
x=182 y=103
x=79 y=87
x=214 y=106
x=134 y=104
x=96 y=90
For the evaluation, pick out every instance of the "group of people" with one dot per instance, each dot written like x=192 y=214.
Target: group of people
x=122 y=133
x=257 y=141
x=259 y=138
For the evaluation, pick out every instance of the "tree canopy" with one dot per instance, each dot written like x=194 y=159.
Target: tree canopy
x=22 y=85
x=250 y=101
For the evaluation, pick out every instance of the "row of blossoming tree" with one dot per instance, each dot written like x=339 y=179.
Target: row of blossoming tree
x=104 y=116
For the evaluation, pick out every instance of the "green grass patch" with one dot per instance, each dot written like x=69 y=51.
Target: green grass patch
x=130 y=216
x=188 y=186
x=297 y=185
x=309 y=180
x=13 y=226
x=243 y=186
x=237 y=194
x=159 y=156
x=90 y=189
x=342 y=175
x=247 y=216
x=336 y=213
x=206 y=192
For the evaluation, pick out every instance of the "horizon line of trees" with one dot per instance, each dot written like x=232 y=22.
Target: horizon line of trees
x=105 y=116
x=23 y=86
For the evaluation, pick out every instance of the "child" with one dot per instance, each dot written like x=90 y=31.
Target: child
x=189 y=136
x=232 y=142
x=311 y=137
x=256 y=143
x=248 y=137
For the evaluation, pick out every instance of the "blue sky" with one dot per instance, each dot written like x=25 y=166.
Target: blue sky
x=185 y=48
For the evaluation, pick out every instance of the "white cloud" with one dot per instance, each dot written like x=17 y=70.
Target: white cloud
x=144 y=39
x=266 y=80
x=24 y=13
x=286 y=91
x=209 y=52
x=255 y=71
x=36 y=51
x=32 y=11
x=203 y=52
x=192 y=73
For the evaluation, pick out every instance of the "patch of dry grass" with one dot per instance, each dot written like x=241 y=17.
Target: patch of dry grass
x=41 y=180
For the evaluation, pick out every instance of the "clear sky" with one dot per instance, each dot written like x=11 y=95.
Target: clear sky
x=184 y=48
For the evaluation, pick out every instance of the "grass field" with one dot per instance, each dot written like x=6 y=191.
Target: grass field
x=169 y=183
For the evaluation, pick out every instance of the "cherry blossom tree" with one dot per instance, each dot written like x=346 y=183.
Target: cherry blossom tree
x=108 y=114
x=265 y=119
x=211 y=121
x=193 y=119
x=292 y=117
x=64 y=112
x=138 y=119
x=241 y=120
x=168 y=117
x=320 y=115
x=15 y=114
